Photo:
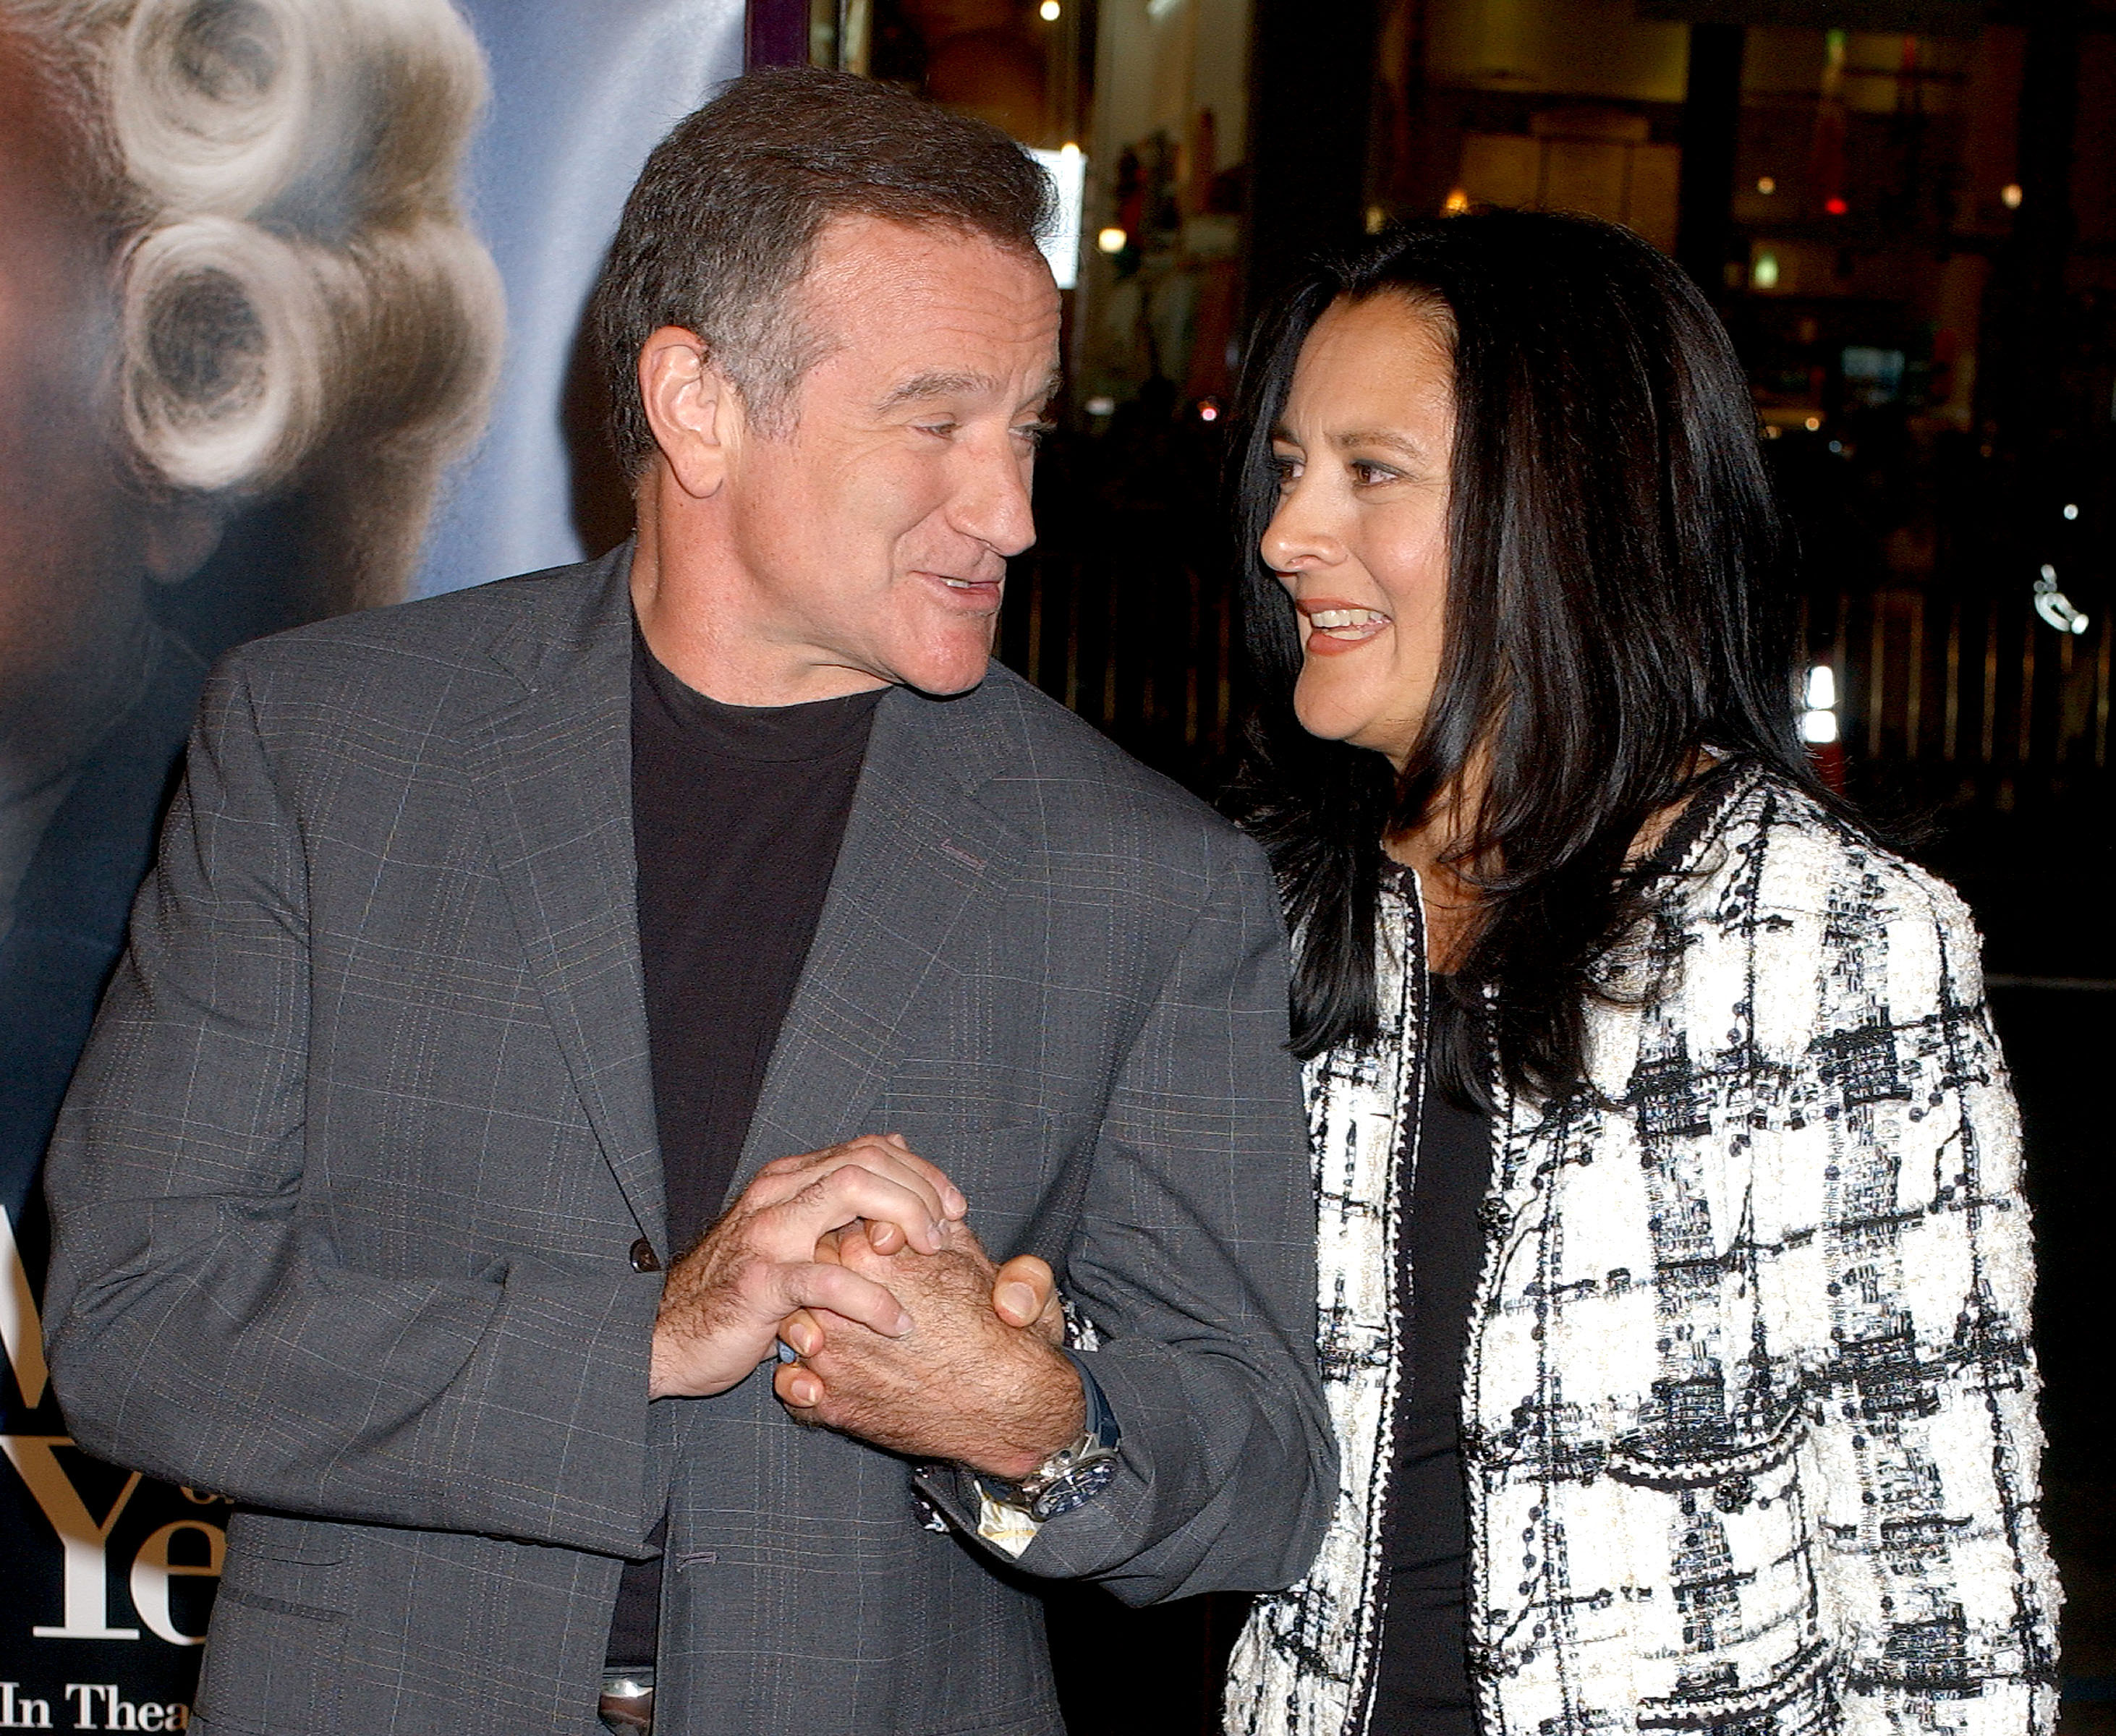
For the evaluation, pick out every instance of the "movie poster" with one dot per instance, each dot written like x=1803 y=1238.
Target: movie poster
x=290 y=301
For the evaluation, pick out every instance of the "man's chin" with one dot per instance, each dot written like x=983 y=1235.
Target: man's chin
x=949 y=681
x=954 y=665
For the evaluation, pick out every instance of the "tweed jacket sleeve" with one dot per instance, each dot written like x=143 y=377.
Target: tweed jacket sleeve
x=1898 y=1142
x=202 y=1326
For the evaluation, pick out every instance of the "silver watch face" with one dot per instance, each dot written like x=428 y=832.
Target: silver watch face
x=1089 y=1472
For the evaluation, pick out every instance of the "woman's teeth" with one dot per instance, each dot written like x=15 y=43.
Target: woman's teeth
x=1330 y=617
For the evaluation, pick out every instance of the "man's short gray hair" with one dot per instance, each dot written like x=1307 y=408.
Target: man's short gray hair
x=721 y=229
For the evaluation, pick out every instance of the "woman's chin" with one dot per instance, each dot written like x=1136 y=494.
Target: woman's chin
x=1322 y=710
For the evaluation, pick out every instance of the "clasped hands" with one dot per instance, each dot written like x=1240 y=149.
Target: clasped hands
x=858 y=1258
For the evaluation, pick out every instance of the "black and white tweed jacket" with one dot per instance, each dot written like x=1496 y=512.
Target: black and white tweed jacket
x=1748 y=1407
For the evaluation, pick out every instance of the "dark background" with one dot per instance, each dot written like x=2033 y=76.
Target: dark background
x=1905 y=211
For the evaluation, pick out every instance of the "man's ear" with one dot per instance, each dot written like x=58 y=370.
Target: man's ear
x=693 y=409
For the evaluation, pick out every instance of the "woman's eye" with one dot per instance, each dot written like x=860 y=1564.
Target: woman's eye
x=1285 y=471
x=1372 y=475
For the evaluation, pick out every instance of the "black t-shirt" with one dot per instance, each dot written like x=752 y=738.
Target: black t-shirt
x=737 y=815
x=1422 y=1681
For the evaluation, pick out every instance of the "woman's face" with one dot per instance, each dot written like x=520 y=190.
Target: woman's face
x=71 y=530
x=1359 y=539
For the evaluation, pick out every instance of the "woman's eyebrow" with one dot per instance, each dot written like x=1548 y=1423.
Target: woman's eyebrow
x=1381 y=436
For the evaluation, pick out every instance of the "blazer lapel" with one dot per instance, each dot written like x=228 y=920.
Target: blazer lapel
x=552 y=774
x=919 y=854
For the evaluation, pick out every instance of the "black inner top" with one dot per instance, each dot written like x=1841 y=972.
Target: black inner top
x=737 y=815
x=1421 y=1679
x=1422 y=1682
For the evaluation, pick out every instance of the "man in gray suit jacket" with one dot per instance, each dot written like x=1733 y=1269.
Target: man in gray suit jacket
x=366 y=1195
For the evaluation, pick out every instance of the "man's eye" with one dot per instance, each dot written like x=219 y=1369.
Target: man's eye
x=943 y=431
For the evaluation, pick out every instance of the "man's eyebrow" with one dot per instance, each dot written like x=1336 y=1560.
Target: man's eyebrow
x=938 y=383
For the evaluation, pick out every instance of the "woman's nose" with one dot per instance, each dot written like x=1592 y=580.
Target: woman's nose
x=1296 y=537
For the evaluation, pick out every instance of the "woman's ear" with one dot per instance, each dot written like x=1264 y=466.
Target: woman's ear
x=691 y=406
x=180 y=535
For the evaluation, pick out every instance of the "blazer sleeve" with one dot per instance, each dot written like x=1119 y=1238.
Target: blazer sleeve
x=1194 y=1260
x=1936 y=1585
x=199 y=1325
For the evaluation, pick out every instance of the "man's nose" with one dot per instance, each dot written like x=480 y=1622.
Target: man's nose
x=993 y=504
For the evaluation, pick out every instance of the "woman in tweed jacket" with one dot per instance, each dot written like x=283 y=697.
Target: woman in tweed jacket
x=1745 y=1437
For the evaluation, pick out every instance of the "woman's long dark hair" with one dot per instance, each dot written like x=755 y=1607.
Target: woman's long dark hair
x=1615 y=559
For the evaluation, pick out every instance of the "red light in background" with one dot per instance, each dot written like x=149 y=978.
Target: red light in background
x=1835 y=207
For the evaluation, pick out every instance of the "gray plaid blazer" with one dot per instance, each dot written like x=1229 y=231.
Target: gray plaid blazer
x=345 y=1191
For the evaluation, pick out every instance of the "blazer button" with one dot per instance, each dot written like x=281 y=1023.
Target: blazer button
x=644 y=1259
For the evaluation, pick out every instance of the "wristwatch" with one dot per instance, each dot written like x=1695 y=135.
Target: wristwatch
x=1073 y=1475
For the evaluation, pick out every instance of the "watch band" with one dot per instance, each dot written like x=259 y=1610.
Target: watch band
x=1102 y=1423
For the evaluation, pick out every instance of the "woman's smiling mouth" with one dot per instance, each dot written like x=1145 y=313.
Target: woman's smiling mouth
x=1335 y=626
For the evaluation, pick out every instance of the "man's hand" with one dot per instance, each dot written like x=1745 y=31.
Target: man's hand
x=963 y=1382
x=1024 y=1292
x=724 y=1300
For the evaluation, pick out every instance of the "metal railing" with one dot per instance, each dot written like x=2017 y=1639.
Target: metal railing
x=1977 y=685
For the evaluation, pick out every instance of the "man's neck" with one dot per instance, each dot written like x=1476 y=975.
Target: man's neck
x=688 y=600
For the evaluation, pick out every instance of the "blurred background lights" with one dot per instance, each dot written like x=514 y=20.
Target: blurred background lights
x=1765 y=276
x=1813 y=425
x=2009 y=196
x=1766 y=184
x=1458 y=202
x=2071 y=510
x=1111 y=239
x=1102 y=406
x=1818 y=723
x=1836 y=207
x=2055 y=608
x=1208 y=410
x=1068 y=170
x=1049 y=12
